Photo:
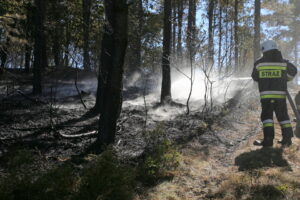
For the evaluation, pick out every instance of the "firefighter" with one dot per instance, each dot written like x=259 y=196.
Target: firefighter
x=272 y=73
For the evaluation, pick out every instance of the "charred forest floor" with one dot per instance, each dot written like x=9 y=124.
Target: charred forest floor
x=216 y=158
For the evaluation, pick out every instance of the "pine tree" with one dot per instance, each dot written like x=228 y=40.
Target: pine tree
x=256 y=43
x=114 y=45
x=40 y=48
x=166 y=71
x=86 y=10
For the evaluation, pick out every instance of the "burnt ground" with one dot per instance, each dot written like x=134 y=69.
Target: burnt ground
x=37 y=122
x=214 y=145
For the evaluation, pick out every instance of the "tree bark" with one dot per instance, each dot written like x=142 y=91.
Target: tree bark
x=166 y=71
x=210 y=31
x=295 y=28
x=140 y=30
x=136 y=37
x=28 y=35
x=28 y=50
x=174 y=24
x=220 y=63
x=56 y=50
x=112 y=61
x=86 y=10
x=67 y=44
x=191 y=28
x=236 y=37
x=256 y=45
x=3 y=56
x=179 y=36
x=40 y=55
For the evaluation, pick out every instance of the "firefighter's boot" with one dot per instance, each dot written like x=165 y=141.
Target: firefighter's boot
x=287 y=134
x=268 y=138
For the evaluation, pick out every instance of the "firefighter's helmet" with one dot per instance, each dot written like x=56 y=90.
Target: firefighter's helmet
x=268 y=45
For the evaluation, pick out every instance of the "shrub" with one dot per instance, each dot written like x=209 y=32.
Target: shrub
x=107 y=178
x=24 y=183
x=55 y=184
x=161 y=156
x=19 y=159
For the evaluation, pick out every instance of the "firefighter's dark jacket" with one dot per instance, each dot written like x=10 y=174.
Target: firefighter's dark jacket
x=272 y=73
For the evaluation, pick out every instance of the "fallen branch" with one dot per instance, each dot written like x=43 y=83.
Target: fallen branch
x=57 y=126
x=78 y=135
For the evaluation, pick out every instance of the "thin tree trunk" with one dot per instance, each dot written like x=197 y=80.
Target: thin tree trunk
x=3 y=56
x=231 y=43
x=179 y=36
x=210 y=31
x=86 y=8
x=28 y=35
x=56 y=51
x=191 y=29
x=295 y=28
x=220 y=63
x=174 y=23
x=67 y=44
x=28 y=50
x=256 y=45
x=140 y=30
x=226 y=37
x=40 y=56
x=166 y=71
x=236 y=38
x=111 y=102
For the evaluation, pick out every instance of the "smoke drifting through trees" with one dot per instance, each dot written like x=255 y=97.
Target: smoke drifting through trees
x=215 y=36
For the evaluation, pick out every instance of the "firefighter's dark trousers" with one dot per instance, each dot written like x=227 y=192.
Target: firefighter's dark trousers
x=280 y=108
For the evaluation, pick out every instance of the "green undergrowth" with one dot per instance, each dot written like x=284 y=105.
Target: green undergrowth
x=99 y=177
x=161 y=157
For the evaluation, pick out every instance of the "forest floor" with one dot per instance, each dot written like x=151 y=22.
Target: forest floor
x=217 y=158
x=223 y=163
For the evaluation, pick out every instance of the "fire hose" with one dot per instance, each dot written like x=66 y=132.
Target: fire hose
x=297 y=131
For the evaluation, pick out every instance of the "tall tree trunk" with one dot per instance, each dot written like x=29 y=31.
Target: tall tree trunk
x=28 y=35
x=28 y=50
x=227 y=46
x=191 y=28
x=166 y=71
x=136 y=61
x=295 y=27
x=174 y=24
x=256 y=45
x=220 y=63
x=67 y=44
x=231 y=43
x=56 y=51
x=112 y=61
x=210 y=31
x=236 y=38
x=140 y=30
x=40 y=55
x=86 y=10
x=179 y=36
x=296 y=32
x=105 y=60
x=3 y=56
